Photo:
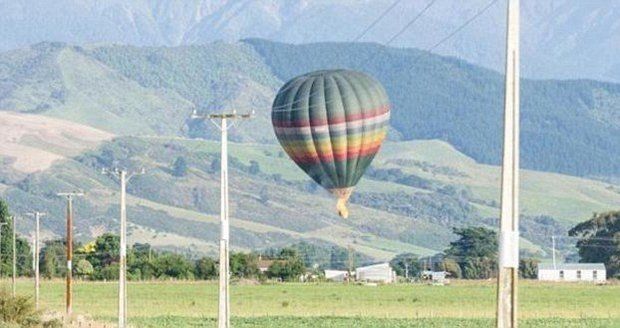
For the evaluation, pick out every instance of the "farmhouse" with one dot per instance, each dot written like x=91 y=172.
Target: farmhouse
x=572 y=272
x=381 y=272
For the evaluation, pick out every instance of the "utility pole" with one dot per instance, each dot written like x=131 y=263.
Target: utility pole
x=14 y=275
x=2 y=224
x=224 y=287
x=69 y=284
x=553 y=250
x=406 y=271
x=123 y=178
x=37 y=282
x=509 y=217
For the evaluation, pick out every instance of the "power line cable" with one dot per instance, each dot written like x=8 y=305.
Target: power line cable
x=377 y=20
x=436 y=45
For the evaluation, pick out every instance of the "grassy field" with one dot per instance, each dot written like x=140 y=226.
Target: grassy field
x=462 y=304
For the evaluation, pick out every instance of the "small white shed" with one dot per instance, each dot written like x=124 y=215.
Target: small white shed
x=594 y=272
x=336 y=275
x=381 y=272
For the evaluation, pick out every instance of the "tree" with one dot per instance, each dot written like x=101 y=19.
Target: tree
x=452 y=267
x=244 y=265
x=53 y=258
x=23 y=253
x=406 y=265
x=600 y=241
x=254 y=168
x=288 y=267
x=206 y=268
x=106 y=254
x=215 y=165
x=179 y=168
x=170 y=265
x=528 y=268
x=84 y=269
x=476 y=251
x=140 y=262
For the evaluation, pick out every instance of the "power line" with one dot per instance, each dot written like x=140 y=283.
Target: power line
x=411 y=22
x=377 y=20
x=460 y=28
x=414 y=60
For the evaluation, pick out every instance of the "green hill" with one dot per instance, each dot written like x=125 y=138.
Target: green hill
x=274 y=204
x=571 y=122
x=152 y=90
x=413 y=195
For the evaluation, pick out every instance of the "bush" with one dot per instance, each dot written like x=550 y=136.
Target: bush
x=18 y=310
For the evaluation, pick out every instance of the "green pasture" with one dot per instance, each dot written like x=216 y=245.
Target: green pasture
x=461 y=304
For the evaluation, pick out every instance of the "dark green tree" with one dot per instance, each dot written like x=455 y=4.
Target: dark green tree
x=171 y=265
x=244 y=265
x=406 y=264
x=206 y=268
x=528 y=268
x=141 y=262
x=254 y=167
x=107 y=250
x=288 y=267
x=23 y=255
x=53 y=259
x=180 y=168
x=600 y=241
x=476 y=252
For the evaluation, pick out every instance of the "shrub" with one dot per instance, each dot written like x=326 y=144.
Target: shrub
x=18 y=310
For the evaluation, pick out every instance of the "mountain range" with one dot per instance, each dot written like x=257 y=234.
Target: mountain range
x=72 y=110
x=562 y=39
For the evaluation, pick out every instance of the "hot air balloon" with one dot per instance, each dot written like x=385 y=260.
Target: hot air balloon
x=332 y=123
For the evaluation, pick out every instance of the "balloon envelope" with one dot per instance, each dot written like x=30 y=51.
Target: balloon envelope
x=332 y=124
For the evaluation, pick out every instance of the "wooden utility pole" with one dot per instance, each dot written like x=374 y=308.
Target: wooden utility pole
x=69 y=241
x=224 y=286
x=123 y=178
x=14 y=275
x=509 y=217
x=37 y=282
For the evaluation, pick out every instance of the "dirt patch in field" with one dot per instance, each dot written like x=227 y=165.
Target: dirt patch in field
x=34 y=142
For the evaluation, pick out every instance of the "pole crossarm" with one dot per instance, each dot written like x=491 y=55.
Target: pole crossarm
x=214 y=117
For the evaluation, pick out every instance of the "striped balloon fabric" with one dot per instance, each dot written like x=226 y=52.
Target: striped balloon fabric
x=332 y=124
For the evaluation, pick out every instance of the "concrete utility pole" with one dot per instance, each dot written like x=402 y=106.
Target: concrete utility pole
x=123 y=178
x=14 y=275
x=406 y=271
x=553 y=250
x=69 y=285
x=509 y=217
x=37 y=282
x=224 y=288
x=2 y=224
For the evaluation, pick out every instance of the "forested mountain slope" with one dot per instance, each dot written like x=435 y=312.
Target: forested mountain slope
x=567 y=126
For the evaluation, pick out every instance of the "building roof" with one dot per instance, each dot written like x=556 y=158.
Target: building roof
x=572 y=266
x=374 y=266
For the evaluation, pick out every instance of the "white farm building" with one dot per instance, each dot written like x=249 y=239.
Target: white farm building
x=594 y=272
x=337 y=275
x=382 y=273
